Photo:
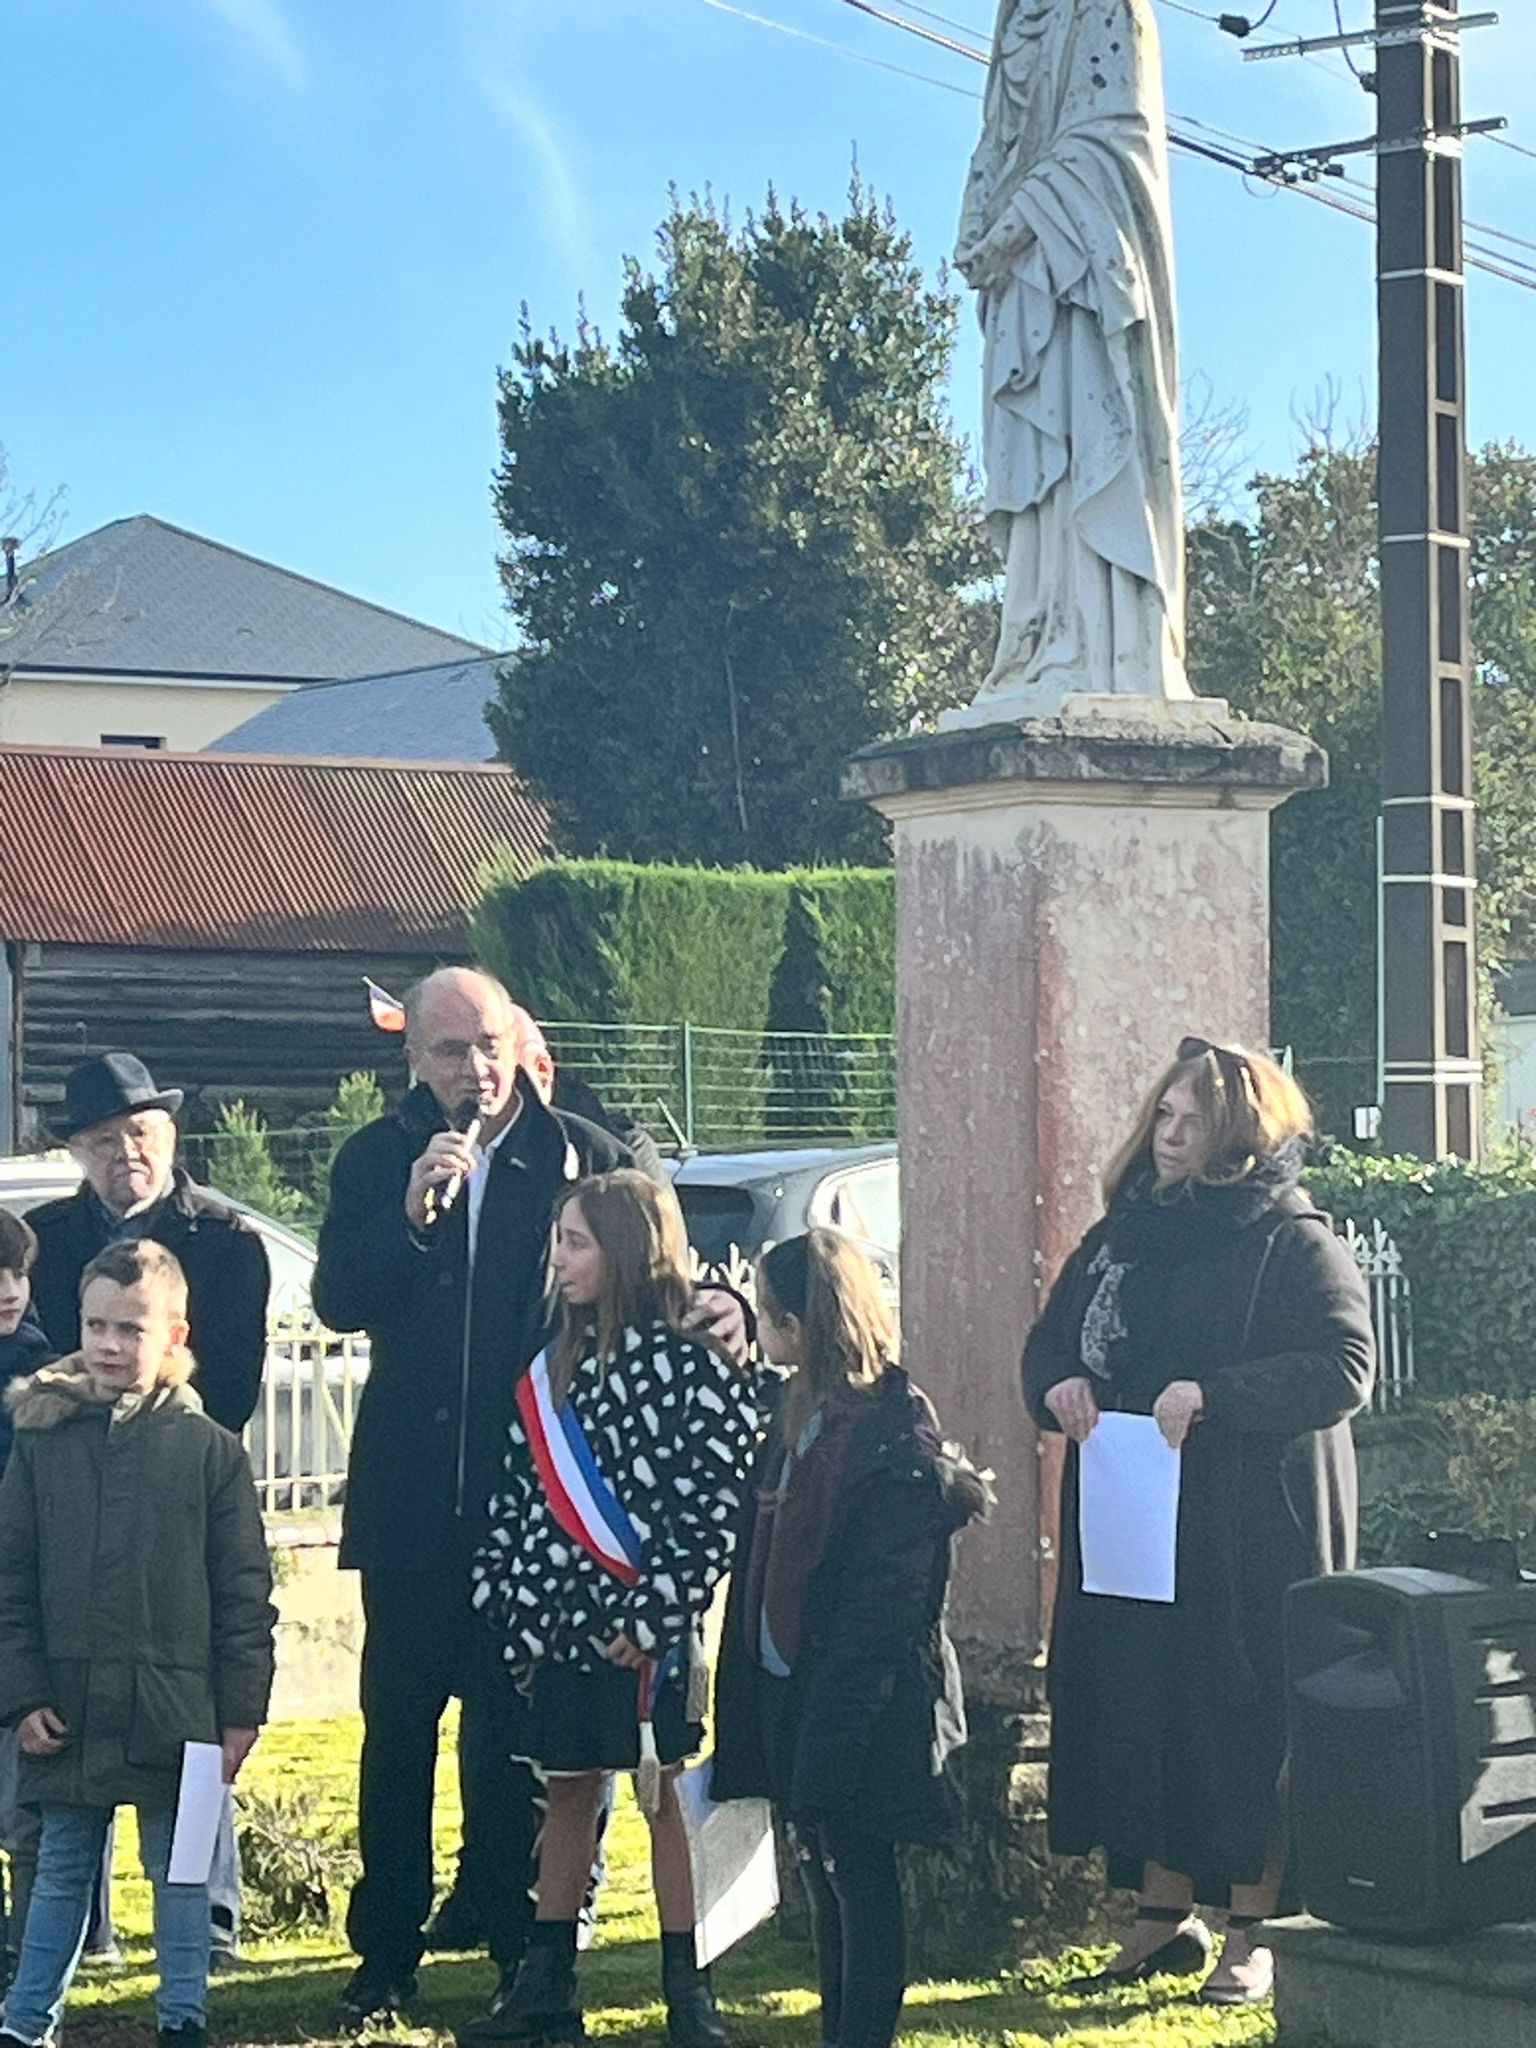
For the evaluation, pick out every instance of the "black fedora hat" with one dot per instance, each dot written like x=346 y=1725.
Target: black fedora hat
x=116 y=1084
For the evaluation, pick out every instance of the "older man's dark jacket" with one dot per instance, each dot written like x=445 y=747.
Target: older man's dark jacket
x=228 y=1280
x=431 y=1427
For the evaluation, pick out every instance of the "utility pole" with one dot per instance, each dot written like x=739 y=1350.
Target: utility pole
x=1431 y=1073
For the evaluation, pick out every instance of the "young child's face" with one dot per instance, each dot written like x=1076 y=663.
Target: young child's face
x=578 y=1258
x=778 y=1341
x=126 y=1334
x=15 y=1293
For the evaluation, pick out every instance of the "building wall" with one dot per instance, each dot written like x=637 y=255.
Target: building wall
x=1514 y=1050
x=57 y=711
x=278 y=1030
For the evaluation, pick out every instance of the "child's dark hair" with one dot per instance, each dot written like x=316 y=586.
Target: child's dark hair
x=18 y=1244
x=848 y=1337
x=140 y=1262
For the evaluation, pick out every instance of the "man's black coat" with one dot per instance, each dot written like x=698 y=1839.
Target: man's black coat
x=228 y=1280
x=432 y=1424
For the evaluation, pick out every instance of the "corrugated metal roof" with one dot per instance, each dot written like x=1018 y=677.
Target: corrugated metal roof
x=143 y=598
x=107 y=848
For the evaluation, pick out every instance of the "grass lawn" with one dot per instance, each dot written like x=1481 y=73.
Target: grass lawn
x=287 y=1989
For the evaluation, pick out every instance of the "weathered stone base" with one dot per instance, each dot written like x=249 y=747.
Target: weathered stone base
x=319 y=1624
x=1361 y=1993
x=999 y=1894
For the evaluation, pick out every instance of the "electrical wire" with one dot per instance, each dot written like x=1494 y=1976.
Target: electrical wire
x=915 y=28
x=804 y=35
x=1495 y=262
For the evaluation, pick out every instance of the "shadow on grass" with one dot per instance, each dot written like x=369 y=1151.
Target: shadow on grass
x=288 y=1996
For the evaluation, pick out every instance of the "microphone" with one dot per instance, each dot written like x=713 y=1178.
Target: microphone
x=468 y=1119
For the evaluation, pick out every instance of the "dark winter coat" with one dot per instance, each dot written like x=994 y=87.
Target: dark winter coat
x=1168 y=1722
x=432 y=1423
x=134 y=1587
x=228 y=1281
x=21 y=1353
x=862 y=1730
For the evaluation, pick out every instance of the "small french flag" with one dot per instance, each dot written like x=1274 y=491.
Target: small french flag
x=387 y=1011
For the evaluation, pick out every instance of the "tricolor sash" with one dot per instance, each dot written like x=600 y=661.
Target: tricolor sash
x=580 y=1499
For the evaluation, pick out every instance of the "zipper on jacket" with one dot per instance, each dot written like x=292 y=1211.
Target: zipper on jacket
x=469 y=1302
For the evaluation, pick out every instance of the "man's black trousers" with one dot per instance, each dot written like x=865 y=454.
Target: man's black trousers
x=425 y=1645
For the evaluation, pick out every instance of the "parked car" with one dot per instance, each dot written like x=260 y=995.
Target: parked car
x=743 y=1201
x=26 y=1183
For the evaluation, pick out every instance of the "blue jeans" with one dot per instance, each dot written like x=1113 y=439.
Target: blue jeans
x=68 y=1859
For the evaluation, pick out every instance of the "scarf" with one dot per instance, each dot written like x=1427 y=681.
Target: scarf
x=1145 y=1226
x=795 y=1517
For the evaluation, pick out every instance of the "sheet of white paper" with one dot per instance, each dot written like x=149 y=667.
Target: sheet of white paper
x=1128 y=1509
x=735 y=1874
x=199 y=1808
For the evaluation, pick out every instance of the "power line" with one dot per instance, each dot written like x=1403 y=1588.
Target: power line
x=915 y=28
x=1494 y=262
x=803 y=35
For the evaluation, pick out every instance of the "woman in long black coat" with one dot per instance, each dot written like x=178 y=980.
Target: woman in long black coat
x=1213 y=1296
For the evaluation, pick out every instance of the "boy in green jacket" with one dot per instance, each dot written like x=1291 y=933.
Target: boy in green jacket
x=134 y=1617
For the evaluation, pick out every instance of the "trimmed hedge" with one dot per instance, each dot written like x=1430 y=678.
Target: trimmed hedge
x=1468 y=1240
x=615 y=942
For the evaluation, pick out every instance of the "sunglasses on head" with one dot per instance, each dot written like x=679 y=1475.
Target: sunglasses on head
x=1232 y=1066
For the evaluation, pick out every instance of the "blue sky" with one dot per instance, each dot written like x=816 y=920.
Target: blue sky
x=265 y=256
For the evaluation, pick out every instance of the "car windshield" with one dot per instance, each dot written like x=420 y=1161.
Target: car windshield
x=718 y=1219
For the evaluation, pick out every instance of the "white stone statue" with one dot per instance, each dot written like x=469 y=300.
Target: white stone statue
x=1065 y=235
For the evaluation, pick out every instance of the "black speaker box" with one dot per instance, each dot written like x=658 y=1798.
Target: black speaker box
x=1412 y=1702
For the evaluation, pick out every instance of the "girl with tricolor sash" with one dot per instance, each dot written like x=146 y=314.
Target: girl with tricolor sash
x=624 y=1478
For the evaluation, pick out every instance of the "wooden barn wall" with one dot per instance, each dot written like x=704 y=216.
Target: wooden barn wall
x=276 y=1029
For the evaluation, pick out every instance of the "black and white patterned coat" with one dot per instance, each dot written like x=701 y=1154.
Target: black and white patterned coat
x=672 y=1429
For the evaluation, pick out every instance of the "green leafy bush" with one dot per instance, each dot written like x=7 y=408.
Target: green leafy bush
x=1467 y=1236
x=296 y=1867
x=359 y=1100
x=614 y=942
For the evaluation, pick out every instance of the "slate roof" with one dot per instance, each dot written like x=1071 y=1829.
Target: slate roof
x=216 y=853
x=416 y=714
x=140 y=597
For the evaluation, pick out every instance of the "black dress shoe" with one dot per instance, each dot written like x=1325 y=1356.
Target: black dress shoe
x=538 y=2005
x=1181 y=1955
x=374 y=1993
x=457 y=1925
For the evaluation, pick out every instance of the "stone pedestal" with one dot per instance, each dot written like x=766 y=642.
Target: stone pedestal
x=1475 y=1993
x=1074 y=894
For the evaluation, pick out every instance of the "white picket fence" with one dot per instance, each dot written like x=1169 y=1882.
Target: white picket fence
x=1381 y=1268
x=300 y=1434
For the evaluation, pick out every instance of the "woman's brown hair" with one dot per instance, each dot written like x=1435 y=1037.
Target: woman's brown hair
x=638 y=1228
x=848 y=1336
x=1250 y=1105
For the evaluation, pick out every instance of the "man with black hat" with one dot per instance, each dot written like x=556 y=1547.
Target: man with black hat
x=121 y=1130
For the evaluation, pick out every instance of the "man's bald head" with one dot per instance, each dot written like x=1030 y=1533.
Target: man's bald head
x=461 y=1032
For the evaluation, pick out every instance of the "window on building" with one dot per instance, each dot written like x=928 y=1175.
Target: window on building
x=132 y=739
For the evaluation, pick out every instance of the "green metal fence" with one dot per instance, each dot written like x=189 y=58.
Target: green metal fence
x=723 y=1090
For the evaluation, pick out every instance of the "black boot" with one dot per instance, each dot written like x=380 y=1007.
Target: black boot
x=540 y=2003
x=692 y=2018
x=188 y=2035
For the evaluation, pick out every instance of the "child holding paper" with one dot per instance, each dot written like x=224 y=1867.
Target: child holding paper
x=838 y=1694
x=134 y=1618
x=623 y=1480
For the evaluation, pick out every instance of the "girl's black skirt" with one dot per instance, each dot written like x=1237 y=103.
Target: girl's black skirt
x=590 y=1721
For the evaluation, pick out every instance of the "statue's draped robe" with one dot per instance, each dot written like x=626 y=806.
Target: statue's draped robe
x=1079 y=437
